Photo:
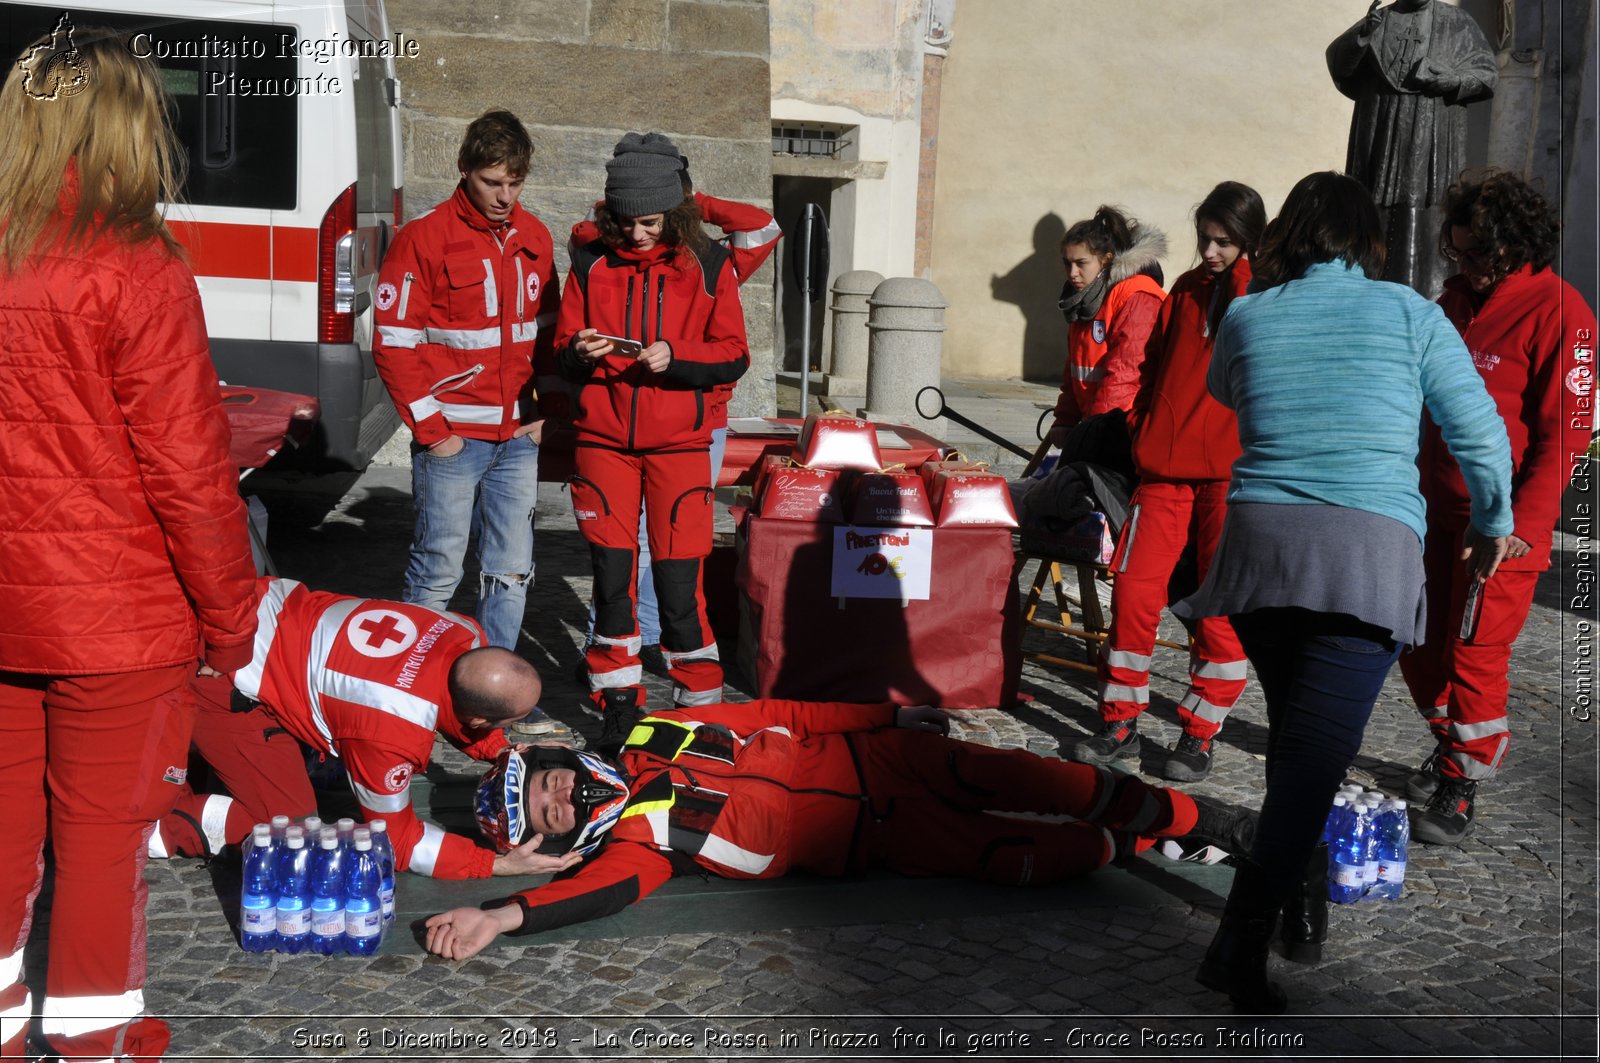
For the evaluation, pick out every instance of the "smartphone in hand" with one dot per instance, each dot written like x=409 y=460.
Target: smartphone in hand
x=620 y=345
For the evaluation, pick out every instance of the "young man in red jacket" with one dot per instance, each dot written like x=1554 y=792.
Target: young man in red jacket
x=1532 y=338
x=369 y=682
x=466 y=307
x=650 y=328
x=754 y=791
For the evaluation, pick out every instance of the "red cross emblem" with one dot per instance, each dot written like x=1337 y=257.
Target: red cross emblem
x=381 y=632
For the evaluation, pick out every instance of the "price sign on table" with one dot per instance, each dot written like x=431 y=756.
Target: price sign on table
x=892 y=563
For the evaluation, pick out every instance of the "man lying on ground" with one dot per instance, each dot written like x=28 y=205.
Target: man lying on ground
x=369 y=682
x=755 y=790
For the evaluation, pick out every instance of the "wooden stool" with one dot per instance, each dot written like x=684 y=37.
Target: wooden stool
x=1091 y=625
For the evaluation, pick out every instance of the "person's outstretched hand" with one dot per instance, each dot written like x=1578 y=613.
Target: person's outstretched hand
x=526 y=859
x=463 y=932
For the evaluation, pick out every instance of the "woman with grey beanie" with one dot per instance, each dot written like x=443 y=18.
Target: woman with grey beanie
x=650 y=325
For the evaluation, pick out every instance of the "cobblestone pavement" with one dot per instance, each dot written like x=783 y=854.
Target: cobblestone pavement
x=1490 y=954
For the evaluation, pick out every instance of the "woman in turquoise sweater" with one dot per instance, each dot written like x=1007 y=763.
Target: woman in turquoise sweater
x=1320 y=564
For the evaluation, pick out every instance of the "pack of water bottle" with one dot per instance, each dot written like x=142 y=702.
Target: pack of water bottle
x=1368 y=835
x=316 y=888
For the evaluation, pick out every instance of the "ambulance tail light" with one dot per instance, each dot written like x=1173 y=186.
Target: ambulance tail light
x=399 y=205
x=336 y=275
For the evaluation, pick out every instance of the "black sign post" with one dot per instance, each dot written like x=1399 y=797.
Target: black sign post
x=809 y=259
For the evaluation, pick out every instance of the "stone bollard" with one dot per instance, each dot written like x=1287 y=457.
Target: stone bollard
x=906 y=329
x=847 y=364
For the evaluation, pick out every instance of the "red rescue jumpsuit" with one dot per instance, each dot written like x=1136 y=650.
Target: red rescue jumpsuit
x=361 y=679
x=1532 y=339
x=756 y=790
x=1184 y=446
x=644 y=439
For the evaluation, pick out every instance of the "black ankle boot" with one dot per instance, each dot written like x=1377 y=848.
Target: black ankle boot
x=1236 y=962
x=1305 y=913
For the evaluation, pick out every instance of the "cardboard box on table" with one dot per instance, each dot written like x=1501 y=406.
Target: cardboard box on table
x=955 y=641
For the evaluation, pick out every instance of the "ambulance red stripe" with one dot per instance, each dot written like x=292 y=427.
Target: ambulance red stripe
x=250 y=252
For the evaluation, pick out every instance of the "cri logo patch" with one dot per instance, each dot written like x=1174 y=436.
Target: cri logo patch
x=533 y=287
x=386 y=295
x=381 y=632
x=175 y=775
x=395 y=779
x=1580 y=381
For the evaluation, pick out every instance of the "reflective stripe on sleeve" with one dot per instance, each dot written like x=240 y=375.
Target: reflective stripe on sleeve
x=247 y=680
x=380 y=696
x=746 y=240
x=10 y=969
x=14 y=1021
x=426 y=852
x=524 y=331
x=376 y=802
x=396 y=336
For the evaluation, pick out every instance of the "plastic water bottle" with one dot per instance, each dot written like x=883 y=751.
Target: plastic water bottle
x=1394 y=839
x=294 y=893
x=347 y=828
x=363 y=907
x=1347 y=855
x=385 y=850
x=327 y=895
x=312 y=825
x=1374 y=802
x=258 y=899
x=1340 y=802
x=280 y=829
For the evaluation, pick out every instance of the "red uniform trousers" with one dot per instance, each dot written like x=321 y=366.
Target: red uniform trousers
x=936 y=808
x=1460 y=685
x=109 y=751
x=1163 y=518
x=675 y=490
x=262 y=765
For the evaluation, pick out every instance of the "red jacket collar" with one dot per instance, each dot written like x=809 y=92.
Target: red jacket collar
x=474 y=218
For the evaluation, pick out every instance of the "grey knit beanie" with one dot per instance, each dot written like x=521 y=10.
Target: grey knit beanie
x=642 y=176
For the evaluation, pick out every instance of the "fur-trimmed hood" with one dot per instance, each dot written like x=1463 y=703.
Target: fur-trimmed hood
x=1149 y=245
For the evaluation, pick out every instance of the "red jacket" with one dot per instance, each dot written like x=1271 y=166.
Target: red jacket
x=365 y=680
x=689 y=300
x=1180 y=431
x=122 y=534
x=1103 y=355
x=742 y=791
x=1533 y=341
x=462 y=319
x=749 y=234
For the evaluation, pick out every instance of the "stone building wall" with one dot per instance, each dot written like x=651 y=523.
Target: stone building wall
x=580 y=74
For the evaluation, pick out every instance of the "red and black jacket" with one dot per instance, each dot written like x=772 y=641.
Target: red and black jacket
x=688 y=299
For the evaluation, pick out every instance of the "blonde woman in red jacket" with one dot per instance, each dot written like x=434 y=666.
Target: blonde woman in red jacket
x=1184 y=444
x=124 y=566
x=1532 y=338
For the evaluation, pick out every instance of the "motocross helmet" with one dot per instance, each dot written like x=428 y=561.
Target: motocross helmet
x=599 y=793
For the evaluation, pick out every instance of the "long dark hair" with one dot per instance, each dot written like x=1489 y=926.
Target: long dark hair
x=1509 y=220
x=1327 y=216
x=1109 y=230
x=1236 y=209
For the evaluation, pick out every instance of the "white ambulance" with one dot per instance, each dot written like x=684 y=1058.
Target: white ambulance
x=289 y=113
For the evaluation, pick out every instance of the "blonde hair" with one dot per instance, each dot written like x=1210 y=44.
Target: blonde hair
x=81 y=103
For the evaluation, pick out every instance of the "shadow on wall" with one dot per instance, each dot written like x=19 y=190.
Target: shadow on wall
x=1034 y=286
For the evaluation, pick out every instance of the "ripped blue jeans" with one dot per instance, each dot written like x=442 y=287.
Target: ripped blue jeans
x=488 y=489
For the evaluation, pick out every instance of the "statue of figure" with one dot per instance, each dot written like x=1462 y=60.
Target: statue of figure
x=1411 y=68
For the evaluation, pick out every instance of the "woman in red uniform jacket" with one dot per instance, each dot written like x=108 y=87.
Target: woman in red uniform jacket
x=1110 y=300
x=644 y=419
x=124 y=565
x=1532 y=338
x=1184 y=443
